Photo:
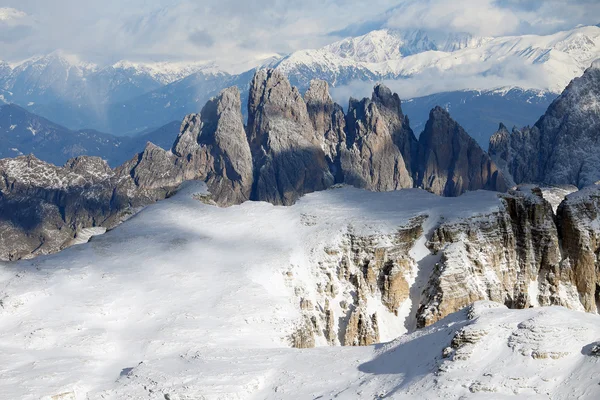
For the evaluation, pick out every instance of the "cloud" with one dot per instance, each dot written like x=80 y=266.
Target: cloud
x=202 y=38
x=229 y=31
x=482 y=17
x=477 y=76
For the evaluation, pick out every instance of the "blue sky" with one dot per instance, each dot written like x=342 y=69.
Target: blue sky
x=229 y=30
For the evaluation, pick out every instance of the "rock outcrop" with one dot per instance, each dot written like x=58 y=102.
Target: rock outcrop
x=291 y=146
x=44 y=206
x=451 y=162
x=288 y=158
x=511 y=257
x=562 y=147
x=580 y=232
x=379 y=147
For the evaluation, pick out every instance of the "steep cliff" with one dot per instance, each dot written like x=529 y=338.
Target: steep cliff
x=289 y=160
x=563 y=146
x=580 y=232
x=451 y=162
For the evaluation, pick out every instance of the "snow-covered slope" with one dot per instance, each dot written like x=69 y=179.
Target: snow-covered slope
x=161 y=307
x=529 y=62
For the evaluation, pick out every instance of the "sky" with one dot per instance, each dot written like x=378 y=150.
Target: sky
x=230 y=31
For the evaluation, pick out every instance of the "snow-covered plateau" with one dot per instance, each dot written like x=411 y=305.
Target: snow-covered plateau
x=187 y=300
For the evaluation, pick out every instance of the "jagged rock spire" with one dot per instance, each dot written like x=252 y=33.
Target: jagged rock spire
x=451 y=162
x=562 y=147
x=288 y=158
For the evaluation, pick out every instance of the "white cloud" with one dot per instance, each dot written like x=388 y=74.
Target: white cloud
x=494 y=17
x=231 y=31
x=480 y=17
x=509 y=72
x=11 y=14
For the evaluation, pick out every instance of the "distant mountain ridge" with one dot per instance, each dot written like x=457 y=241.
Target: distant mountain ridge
x=23 y=133
x=126 y=97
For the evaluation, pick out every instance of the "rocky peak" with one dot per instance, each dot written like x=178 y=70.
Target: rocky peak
x=94 y=169
x=288 y=157
x=385 y=99
x=188 y=137
x=562 y=147
x=229 y=174
x=372 y=157
x=328 y=121
x=451 y=162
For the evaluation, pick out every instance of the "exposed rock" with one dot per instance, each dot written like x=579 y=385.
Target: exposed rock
x=328 y=121
x=304 y=336
x=362 y=329
x=451 y=162
x=562 y=147
x=44 y=206
x=229 y=174
x=379 y=148
x=287 y=154
x=498 y=257
x=577 y=218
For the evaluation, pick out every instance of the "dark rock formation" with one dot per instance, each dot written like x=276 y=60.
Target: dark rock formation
x=288 y=158
x=451 y=162
x=291 y=146
x=563 y=146
x=379 y=148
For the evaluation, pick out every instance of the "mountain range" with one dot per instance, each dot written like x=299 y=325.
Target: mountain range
x=498 y=77
x=22 y=132
x=277 y=220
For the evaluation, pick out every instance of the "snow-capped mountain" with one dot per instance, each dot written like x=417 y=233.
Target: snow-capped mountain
x=473 y=63
x=128 y=97
x=75 y=93
x=161 y=308
x=62 y=77
x=387 y=44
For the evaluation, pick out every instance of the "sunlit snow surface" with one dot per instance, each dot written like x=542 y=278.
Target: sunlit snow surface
x=191 y=301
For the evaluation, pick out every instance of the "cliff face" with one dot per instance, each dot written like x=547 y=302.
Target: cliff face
x=451 y=162
x=562 y=147
x=289 y=160
x=380 y=285
x=580 y=232
x=511 y=257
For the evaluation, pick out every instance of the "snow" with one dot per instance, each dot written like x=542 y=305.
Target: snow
x=187 y=300
x=556 y=194
x=12 y=127
x=168 y=72
x=533 y=290
x=32 y=130
x=596 y=63
x=84 y=235
x=424 y=66
x=166 y=283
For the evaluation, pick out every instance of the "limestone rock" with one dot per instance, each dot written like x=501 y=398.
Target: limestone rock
x=562 y=147
x=451 y=162
x=229 y=174
x=379 y=148
x=577 y=223
x=328 y=122
x=498 y=257
x=287 y=154
x=362 y=329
